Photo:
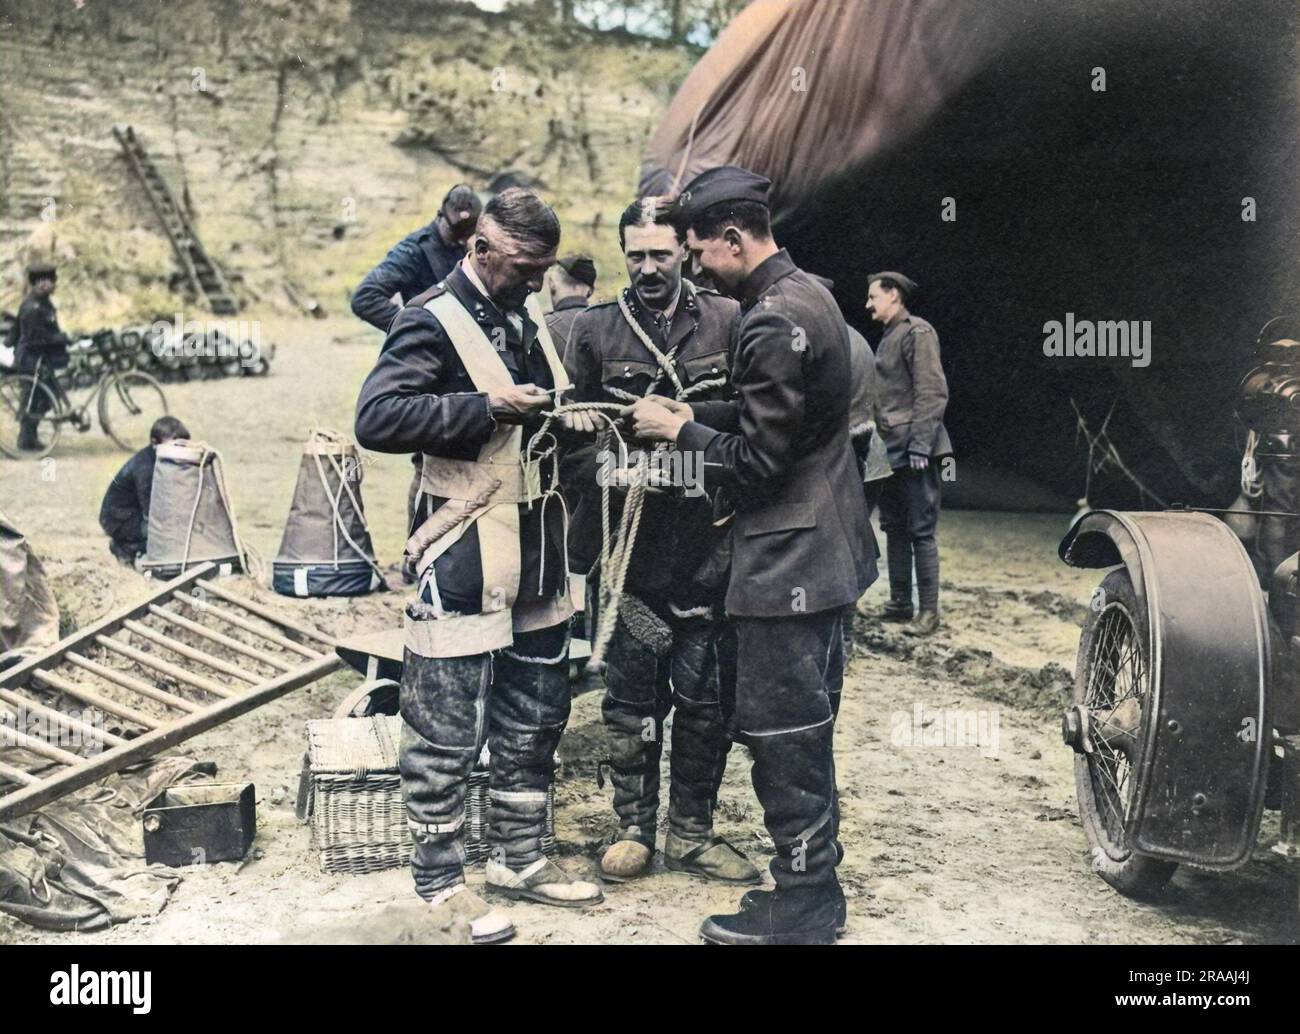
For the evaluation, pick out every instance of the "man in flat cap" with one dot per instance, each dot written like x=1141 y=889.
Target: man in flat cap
x=571 y=281
x=911 y=396
x=802 y=546
x=661 y=337
x=464 y=377
x=42 y=348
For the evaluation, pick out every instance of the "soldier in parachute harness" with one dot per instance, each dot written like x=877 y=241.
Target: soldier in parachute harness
x=664 y=337
x=466 y=371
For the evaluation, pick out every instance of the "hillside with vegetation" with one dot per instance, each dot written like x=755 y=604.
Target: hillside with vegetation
x=302 y=137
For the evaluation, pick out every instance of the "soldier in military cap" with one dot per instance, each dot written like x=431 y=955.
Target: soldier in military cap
x=802 y=546
x=911 y=396
x=413 y=265
x=419 y=260
x=42 y=348
x=663 y=337
x=464 y=377
x=571 y=281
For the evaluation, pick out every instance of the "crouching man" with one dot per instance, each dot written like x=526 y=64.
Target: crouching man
x=462 y=378
x=124 y=513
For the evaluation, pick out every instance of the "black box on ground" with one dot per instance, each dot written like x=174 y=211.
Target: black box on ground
x=200 y=822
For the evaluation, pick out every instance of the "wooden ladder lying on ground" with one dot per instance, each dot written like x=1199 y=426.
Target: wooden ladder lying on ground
x=205 y=278
x=290 y=655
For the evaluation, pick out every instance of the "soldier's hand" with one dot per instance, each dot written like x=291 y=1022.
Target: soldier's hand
x=655 y=422
x=519 y=400
x=918 y=461
x=673 y=406
x=582 y=422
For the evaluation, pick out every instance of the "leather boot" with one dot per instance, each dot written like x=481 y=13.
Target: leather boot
x=712 y=858
x=487 y=925
x=808 y=916
x=896 y=611
x=758 y=899
x=925 y=623
x=544 y=882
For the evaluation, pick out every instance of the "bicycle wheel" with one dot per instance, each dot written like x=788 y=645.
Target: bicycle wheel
x=19 y=394
x=128 y=406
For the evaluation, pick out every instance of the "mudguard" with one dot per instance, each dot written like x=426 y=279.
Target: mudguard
x=1198 y=793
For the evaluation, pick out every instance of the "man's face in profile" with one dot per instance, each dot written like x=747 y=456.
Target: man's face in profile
x=509 y=269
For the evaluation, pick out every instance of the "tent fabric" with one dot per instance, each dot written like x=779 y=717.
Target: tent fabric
x=190 y=516
x=78 y=863
x=326 y=548
x=29 y=614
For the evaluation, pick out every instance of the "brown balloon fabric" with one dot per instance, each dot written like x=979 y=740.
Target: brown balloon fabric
x=802 y=91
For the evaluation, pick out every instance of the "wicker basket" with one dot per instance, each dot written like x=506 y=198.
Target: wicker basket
x=358 y=818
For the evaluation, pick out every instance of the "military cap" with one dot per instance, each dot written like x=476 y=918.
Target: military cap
x=580 y=267
x=905 y=284
x=725 y=183
x=41 y=271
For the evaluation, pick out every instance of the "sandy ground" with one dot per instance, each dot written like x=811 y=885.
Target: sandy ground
x=955 y=844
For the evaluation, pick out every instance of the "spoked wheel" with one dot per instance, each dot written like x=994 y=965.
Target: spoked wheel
x=128 y=406
x=21 y=394
x=1107 y=728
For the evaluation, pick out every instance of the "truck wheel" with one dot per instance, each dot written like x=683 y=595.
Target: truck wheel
x=1112 y=697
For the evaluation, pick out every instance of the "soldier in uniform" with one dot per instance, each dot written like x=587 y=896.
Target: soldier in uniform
x=464 y=376
x=663 y=337
x=419 y=260
x=413 y=265
x=911 y=396
x=802 y=546
x=42 y=347
x=572 y=280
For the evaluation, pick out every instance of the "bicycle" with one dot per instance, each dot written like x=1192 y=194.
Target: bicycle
x=128 y=403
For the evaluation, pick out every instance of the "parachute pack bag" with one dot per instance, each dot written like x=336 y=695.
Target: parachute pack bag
x=190 y=517
x=326 y=549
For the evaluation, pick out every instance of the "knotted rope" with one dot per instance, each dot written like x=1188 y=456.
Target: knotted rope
x=615 y=546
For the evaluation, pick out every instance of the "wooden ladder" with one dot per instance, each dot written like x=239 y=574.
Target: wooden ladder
x=204 y=276
x=149 y=672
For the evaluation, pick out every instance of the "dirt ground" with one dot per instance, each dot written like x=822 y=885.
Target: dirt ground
x=958 y=844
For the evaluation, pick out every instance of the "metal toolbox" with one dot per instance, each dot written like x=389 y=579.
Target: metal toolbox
x=195 y=823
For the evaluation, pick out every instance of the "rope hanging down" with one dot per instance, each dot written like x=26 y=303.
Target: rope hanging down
x=615 y=547
x=1102 y=454
x=322 y=434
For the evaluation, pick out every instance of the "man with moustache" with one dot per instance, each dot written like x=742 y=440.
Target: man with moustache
x=414 y=264
x=464 y=376
x=667 y=338
x=802 y=545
